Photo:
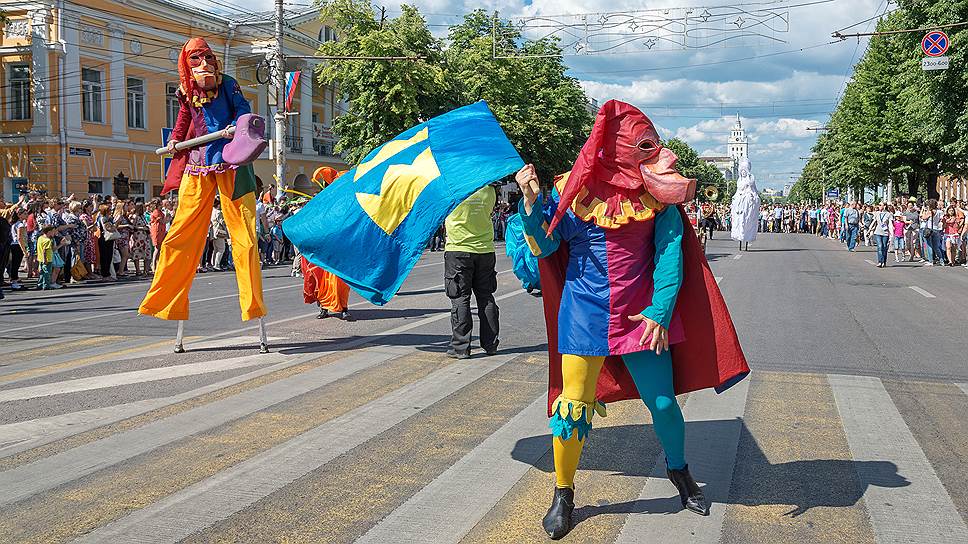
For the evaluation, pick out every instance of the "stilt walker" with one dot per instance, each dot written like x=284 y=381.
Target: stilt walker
x=321 y=287
x=631 y=307
x=745 y=207
x=214 y=140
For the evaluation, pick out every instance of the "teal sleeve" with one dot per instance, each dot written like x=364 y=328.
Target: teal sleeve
x=536 y=226
x=668 y=266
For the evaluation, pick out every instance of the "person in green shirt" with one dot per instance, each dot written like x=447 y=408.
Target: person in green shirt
x=46 y=246
x=469 y=268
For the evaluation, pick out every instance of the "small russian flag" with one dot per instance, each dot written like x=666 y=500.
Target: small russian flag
x=292 y=83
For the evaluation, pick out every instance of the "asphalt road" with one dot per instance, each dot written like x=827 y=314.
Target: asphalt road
x=852 y=427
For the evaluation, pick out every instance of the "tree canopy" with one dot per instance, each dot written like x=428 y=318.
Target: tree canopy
x=896 y=123
x=542 y=110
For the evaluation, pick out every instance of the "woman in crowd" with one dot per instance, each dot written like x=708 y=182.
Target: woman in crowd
x=138 y=250
x=124 y=227
x=76 y=230
x=158 y=228
x=953 y=225
x=880 y=230
x=219 y=236
x=89 y=251
x=18 y=247
x=107 y=233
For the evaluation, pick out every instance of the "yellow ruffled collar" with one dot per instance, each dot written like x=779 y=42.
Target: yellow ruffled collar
x=590 y=208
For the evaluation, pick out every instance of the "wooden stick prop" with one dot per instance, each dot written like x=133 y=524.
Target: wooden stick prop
x=195 y=142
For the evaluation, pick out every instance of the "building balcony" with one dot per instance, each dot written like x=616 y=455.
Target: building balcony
x=294 y=143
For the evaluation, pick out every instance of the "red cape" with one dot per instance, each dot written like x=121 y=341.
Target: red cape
x=710 y=356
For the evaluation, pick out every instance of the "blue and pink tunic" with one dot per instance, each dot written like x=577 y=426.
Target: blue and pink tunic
x=632 y=266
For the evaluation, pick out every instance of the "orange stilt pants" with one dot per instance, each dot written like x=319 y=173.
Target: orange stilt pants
x=324 y=287
x=183 y=247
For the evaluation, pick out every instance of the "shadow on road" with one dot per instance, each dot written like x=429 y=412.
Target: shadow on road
x=802 y=484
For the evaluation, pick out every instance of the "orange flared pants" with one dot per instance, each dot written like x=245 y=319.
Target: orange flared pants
x=324 y=287
x=183 y=247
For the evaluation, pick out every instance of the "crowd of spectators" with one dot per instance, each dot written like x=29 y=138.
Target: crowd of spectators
x=46 y=243
x=926 y=231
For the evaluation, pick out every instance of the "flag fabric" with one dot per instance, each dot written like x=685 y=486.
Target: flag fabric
x=292 y=83
x=372 y=224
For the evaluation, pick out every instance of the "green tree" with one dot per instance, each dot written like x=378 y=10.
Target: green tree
x=542 y=110
x=691 y=166
x=385 y=97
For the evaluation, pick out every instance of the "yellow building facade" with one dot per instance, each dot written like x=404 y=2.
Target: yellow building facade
x=87 y=89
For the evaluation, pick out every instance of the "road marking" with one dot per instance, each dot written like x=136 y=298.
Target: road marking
x=354 y=305
x=454 y=502
x=913 y=505
x=129 y=310
x=218 y=497
x=14 y=346
x=718 y=279
x=712 y=457
x=963 y=387
x=870 y=262
x=57 y=363
x=922 y=292
x=21 y=482
x=138 y=376
x=29 y=434
x=737 y=257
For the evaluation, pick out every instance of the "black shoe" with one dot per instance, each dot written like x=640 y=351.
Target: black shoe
x=323 y=313
x=557 y=522
x=689 y=492
x=345 y=316
x=491 y=350
x=454 y=354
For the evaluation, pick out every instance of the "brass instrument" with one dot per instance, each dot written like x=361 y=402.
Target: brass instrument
x=711 y=192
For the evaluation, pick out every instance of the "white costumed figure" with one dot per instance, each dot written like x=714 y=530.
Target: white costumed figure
x=746 y=206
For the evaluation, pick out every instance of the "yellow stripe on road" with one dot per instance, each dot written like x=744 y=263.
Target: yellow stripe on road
x=794 y=480
x=93 y=502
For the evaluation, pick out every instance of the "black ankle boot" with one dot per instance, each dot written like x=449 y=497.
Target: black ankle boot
x=557 y=522
x=689 y=492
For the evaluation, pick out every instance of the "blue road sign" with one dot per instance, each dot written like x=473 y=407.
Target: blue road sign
x=833 y=193
x=935 y=43
x=166 y=162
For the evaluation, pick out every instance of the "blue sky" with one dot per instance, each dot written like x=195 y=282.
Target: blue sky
x=779 y=89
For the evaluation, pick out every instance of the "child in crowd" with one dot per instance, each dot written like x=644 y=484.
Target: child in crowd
x=898 y=237
x=46 y=246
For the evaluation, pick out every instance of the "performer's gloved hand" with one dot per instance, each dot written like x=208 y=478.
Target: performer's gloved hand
x=171 y=145
x=528 y=182
x=226 y=134
x=660 y=336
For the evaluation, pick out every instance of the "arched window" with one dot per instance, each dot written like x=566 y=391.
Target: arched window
x=327 y=34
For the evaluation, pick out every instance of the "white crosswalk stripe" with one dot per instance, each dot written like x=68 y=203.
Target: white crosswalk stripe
x=921 y=510
x=449 y=505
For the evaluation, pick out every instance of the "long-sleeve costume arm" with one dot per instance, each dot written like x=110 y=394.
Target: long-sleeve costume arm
x=536 y=226
x=667 y=277
x=239 y=103
x=184 y=120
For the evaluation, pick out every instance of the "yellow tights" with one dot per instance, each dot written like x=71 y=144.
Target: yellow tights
x=579 y=378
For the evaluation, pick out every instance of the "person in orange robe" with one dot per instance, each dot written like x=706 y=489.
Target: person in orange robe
x=319 y=286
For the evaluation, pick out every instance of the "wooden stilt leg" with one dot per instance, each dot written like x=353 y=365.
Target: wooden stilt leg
x=179 y=337
x=263 y=339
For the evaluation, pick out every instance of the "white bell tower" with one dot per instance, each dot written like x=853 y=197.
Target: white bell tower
x=738 y=146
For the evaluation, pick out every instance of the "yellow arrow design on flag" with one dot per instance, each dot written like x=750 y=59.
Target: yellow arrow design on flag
x=402 y=184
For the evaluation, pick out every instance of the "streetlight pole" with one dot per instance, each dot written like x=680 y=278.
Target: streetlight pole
x=280 y=117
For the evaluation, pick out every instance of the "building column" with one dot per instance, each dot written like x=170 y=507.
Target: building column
x=40 y=71
x=117 y=95
x=306 y=108
x=72 y=74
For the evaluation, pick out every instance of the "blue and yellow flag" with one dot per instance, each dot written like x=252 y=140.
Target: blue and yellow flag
x=372 y=224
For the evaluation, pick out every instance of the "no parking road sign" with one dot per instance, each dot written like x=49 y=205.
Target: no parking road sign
x=935 y=43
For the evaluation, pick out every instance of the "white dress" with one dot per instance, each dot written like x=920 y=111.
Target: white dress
x=745 y=208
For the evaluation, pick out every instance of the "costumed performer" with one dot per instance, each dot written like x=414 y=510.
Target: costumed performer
x=209 y=102
x=523 y=262
x=745 y=207
x=320 y=286
x=631 y=307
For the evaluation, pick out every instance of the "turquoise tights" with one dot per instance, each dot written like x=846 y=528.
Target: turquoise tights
x=652 y=375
